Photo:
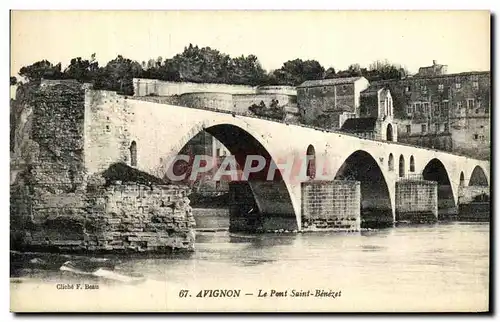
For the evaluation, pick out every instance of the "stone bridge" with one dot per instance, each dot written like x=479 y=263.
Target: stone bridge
x=116 y=126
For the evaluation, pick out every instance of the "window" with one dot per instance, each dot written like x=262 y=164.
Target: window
x=417 y=108
x=133 y=154
x=446 y=127
x=424 y=128
x=436 y=108
x=408 y=89
x=440 y=87
x=470 y=103
x=412 y=164
x=475 y=85
x=458 y=85
x=459 y=104
x=475 y=136
x=424 y=89
x=426 y=108
x=409 y=109
x=408 y=129
x=445 y=107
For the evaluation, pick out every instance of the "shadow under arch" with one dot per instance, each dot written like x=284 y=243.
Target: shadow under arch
x=376 y=209
x=436 y=171
x=255 y=204
x=478 y=177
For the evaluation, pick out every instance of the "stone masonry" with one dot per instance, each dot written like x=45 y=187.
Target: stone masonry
x=331 y=205
x=416 y=201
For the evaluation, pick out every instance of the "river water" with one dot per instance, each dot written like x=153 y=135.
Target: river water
x=438 y=267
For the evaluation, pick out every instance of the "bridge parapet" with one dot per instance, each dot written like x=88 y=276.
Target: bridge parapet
x=296 y=123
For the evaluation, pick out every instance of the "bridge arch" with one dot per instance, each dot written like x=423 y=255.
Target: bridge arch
x=478 y=177
x=255 y=200
x=436 y=171
x=311 y=161
x=401 y=166
x=376 y=205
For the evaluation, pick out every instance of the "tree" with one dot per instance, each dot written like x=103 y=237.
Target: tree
x=41 y=69
x=383 y=70
x=330 y=73
x=117 y=75
x=246 y=71
x=13 y=80
x=294 y=72
x=82 y=70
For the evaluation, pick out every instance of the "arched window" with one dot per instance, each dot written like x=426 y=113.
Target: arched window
x=391 y=162
x=401 y=166
x=412 y=164
x=462 y=179
x=311 y=162
x=389 y=132
x=133 y=154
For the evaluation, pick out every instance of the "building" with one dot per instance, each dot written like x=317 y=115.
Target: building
x=330 y=102
x=447 y=112
x=434 y=70
x=376 y=113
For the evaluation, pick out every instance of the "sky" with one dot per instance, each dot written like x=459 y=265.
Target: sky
x=459 y=39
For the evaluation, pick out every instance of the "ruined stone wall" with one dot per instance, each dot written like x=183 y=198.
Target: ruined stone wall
x=120 y=217
x=73 y=133
x=333 y=205
x=58 y=133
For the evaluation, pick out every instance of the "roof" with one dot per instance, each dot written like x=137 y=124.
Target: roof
x=436 y=69
x=330 y=81
x=364 y=124
x=373 y=89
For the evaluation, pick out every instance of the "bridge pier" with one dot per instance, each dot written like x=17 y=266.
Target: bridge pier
x=258 y=206
x=331 y=205
x=474 y=203
x=416 y=201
